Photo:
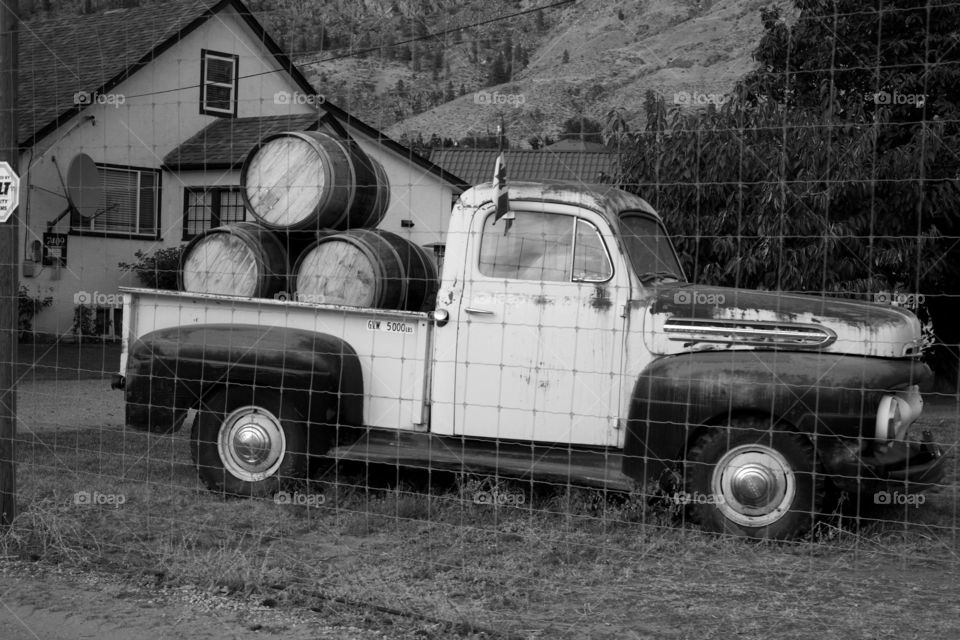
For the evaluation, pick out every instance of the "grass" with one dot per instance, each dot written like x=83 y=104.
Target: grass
x=421 y=559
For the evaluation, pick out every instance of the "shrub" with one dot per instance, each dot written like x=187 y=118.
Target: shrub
x=158 y=270
x=84 y=322
x=27 y=307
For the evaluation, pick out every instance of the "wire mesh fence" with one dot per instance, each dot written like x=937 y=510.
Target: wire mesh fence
x=698 y=378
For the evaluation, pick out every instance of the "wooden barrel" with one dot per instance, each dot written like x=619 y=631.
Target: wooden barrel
x=241 y=259
x=312 y=180
x=382 y=201
x=366 y=268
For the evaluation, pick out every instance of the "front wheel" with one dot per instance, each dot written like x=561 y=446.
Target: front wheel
x=752 y=481
x=249 y=442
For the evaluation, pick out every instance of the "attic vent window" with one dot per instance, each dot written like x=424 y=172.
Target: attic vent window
x=219 y=76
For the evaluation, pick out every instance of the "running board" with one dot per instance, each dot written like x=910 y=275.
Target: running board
x=543 y=463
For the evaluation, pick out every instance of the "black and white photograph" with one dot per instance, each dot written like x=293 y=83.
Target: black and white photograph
x=455 y=319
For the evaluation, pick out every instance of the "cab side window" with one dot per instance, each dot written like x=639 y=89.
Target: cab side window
x=544 y=246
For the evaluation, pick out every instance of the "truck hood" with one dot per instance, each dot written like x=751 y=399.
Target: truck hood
x=688 y=317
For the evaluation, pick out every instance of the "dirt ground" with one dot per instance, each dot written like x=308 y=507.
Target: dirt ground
x=43 y=603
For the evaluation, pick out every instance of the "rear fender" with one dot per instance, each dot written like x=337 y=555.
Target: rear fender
x=169 y=371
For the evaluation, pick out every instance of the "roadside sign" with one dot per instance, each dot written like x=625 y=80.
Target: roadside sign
x=9 y=191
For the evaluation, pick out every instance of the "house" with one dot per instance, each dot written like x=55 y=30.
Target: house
x=167 y=99
x=476 y=165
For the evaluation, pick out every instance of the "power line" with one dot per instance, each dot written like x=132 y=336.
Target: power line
x=357 y=52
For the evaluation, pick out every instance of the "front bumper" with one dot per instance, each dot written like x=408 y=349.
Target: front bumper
x=910 y=466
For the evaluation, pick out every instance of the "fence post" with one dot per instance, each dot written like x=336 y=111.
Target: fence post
x=9 y=271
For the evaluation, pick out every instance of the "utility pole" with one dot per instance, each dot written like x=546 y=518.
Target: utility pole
x=9 y=265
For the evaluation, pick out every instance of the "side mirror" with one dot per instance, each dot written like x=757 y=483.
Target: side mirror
x=439 y=317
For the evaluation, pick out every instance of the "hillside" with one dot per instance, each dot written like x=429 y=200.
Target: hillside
x=587 y=59
x=382 y=60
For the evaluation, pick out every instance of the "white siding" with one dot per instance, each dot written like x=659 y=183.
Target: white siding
x=160 y=111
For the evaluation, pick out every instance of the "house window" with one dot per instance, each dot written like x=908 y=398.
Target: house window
x=219 y=77
x=206 y=208
x=131 y=203
x=546 y=247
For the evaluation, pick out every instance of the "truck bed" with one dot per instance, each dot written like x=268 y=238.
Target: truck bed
x=392 y=346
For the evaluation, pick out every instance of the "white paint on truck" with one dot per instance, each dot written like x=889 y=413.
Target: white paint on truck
x=393 y=358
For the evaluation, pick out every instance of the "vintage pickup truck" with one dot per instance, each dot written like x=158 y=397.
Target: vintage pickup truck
x=570 y=349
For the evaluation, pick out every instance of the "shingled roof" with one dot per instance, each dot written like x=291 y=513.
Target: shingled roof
x=476 y=165
x=58 y=58
x=225 y=143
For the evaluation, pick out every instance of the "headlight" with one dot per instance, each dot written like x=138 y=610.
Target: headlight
x=896 y=412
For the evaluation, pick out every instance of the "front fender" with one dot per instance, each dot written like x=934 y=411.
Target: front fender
x=819 y=394
x=169 y=370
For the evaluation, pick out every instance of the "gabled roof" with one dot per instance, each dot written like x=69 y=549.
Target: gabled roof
x=476 y=165
x=225 y=143
x=95 y=53
x=58 y=58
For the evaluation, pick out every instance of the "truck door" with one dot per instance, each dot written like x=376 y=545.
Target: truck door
x=540 y=328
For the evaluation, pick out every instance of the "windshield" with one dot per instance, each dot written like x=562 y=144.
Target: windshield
x=649 y=247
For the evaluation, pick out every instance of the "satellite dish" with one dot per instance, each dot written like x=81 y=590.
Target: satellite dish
x=84 y=186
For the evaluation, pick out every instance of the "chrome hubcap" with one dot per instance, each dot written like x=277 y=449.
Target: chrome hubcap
x=251 y=443
x=754 y=485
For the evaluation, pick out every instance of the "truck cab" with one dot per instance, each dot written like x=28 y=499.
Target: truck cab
x=538 y=344
x=566 y=345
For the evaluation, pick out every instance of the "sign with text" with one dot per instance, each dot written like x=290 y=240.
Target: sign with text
x=9 y=191
x=55 y=249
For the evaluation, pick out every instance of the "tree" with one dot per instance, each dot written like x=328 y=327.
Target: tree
x=581 y=128
x=803 y=180
x=615 y=129
x=521 y=57
x=490 y=141
x=498 y=72
x=566 y=57
x=898 y=68
x=538 y=142
x=839 y=56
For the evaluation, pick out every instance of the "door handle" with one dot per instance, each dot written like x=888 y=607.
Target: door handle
x=482 y=312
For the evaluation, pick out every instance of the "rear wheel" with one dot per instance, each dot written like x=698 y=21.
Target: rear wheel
x=249 y=442
x=752 y=481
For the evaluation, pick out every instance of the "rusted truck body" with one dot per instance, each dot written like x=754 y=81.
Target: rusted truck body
x=568 y=348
